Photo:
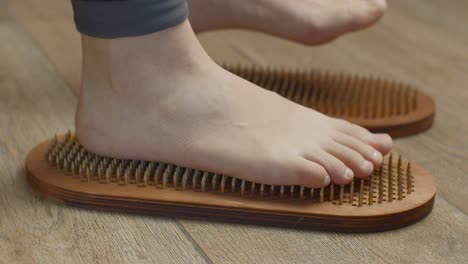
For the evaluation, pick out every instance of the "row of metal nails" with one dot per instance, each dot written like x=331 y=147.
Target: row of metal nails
x=335 y=94
x=68 y=155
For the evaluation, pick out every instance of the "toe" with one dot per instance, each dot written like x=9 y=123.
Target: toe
x=366 y=150
x=374 y=9
x=381 y=142
x=309 y=174
x=367 y=13
x=380 y=6
x=351 y=158
x=338 y=171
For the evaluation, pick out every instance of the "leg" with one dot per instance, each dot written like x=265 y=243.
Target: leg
x=160 y=97
x=305 y=21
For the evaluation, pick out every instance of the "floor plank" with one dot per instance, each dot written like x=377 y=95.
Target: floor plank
x=34 y=104
x=440 y=238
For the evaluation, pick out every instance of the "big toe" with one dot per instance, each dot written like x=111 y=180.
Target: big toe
x=381 y=142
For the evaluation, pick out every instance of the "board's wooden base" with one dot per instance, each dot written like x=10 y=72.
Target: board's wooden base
x=290 y=212
x=379 y=105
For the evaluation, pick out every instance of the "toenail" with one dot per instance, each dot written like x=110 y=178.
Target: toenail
x=377 y=156
x=366 y=165
x=348 y=174
x=326 y=181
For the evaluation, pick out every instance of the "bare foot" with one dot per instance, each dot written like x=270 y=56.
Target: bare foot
x=170 y=102
x=305 y=21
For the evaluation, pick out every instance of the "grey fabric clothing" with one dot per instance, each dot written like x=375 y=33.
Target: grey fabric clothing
x=124 y=18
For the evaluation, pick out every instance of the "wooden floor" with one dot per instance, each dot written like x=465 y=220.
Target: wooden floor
x=421 y=42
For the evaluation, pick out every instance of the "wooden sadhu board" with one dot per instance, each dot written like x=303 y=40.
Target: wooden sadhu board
x=377 y=104
x=397 y=194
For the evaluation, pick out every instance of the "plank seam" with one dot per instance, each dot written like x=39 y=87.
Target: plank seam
x=192 y=240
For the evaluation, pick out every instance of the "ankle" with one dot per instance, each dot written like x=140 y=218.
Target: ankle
x=123 y=65
x=124 y=77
